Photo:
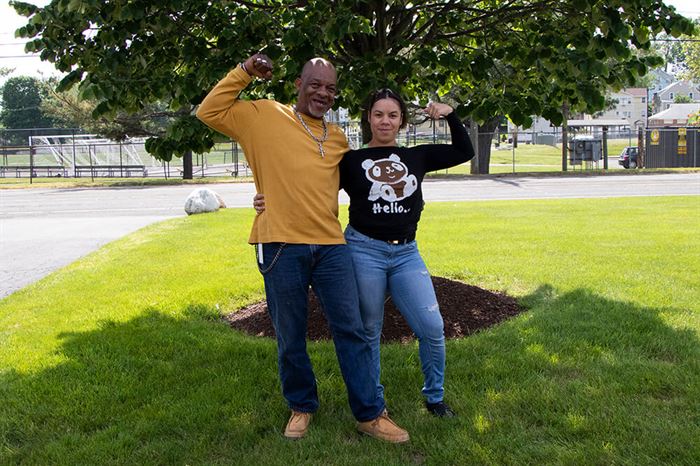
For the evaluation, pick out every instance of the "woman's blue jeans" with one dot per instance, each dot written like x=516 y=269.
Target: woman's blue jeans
x=381 y=267
x=289 y=270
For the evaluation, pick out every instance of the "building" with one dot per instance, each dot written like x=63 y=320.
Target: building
x=661 y=79
x=667 y=95
x=674 y=115
x=631 y=106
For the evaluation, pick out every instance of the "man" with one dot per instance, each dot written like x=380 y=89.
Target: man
x=294 y=155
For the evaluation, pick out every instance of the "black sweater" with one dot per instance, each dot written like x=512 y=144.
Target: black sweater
x=384 y=183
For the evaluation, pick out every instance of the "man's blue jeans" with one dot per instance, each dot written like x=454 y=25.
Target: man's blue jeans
x=400 y=270
x=289 y=270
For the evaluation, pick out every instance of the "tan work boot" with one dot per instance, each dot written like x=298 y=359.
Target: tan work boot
x=298 y=425
x=383 y=428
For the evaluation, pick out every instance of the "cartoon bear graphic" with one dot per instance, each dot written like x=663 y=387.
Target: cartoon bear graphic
x=390 y=179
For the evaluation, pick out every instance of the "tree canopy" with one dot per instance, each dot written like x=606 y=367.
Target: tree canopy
x=691 y=52
x=70 y=110
x=21 y=105
x=495 y=57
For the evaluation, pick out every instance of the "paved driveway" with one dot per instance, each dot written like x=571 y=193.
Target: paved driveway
x=42 y=230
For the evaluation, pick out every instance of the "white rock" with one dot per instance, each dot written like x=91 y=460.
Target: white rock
x=203 y=200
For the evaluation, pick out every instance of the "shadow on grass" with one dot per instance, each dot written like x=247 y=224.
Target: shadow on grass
x=155 y=389
x=579 y=379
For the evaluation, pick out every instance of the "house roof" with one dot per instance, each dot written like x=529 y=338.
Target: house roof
x=637 y=91
x=662 y=73
x=676 y=84
x=677 y=112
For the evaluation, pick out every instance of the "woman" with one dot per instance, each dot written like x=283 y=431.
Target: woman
x=383 y=181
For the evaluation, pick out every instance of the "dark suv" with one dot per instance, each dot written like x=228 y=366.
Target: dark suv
x=628 y=157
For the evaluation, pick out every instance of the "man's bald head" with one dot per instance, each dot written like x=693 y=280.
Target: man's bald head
x=317 y=64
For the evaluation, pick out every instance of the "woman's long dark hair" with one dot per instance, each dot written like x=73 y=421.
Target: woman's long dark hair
x=384 y=93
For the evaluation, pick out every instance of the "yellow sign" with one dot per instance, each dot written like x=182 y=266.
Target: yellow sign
x=682 y=148
x=655 y=136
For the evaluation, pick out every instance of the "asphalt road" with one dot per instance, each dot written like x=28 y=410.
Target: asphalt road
x=42 y=230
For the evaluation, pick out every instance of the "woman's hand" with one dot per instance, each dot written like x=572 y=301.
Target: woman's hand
x=437 y=110
x=259 y=203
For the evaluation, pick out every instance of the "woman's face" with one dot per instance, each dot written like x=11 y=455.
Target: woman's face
x=385 y=122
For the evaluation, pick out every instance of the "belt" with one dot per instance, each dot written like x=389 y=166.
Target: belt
x=399 y=241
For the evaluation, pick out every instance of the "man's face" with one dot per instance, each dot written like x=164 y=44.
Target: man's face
x=316 y=89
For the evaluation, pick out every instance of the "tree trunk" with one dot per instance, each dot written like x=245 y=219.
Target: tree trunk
x=484 y=150
x=187 y=165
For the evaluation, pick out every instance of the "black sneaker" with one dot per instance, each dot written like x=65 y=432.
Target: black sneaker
x=440 y=409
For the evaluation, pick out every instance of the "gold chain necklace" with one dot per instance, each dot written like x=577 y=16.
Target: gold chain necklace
x=308 y=130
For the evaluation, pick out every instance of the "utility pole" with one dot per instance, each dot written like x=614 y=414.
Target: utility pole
x=605 y=147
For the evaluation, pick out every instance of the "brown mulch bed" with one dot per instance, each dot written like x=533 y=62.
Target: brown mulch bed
x=465 y=309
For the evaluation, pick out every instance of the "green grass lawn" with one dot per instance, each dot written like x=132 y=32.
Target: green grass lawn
x=120 y=358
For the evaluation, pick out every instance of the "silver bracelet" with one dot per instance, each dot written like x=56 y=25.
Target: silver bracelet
x=245 y=69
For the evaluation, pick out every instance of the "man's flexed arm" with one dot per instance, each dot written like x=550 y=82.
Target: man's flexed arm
x=221 y=109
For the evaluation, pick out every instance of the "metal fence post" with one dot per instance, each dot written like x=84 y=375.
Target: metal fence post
x=75 y=169
x=31 y=164
x=234 y=145
x=92 y=168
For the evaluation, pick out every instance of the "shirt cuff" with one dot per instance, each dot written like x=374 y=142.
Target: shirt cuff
x=239 y=73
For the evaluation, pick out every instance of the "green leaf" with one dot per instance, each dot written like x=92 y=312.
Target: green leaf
x=101 y=109
x=70 y=80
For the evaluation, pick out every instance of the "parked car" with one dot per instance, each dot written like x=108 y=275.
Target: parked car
x=628 y=157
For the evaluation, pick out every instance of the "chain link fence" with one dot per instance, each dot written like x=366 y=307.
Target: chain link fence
x=54 y=152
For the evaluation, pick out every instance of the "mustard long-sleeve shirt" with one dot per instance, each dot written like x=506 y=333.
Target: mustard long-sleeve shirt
x=300 y=187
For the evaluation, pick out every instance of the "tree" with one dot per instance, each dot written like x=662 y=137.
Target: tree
x=694 y=119
x=691 y=51
x=682 y=99
x=21 y=105
x=670 y=49
x=497 y=57
x=69 y=110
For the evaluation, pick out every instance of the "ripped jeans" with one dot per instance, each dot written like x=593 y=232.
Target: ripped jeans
x=381 y=267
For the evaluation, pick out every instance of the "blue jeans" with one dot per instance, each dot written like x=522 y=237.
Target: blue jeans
x=288 y=271
x=400 y=270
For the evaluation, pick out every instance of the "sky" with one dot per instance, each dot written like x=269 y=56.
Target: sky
x=12 y=49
